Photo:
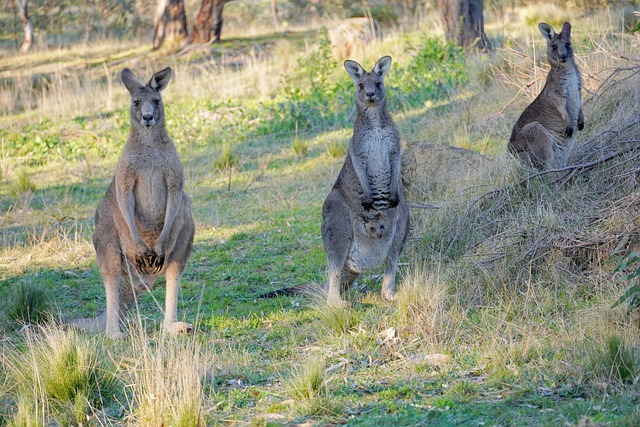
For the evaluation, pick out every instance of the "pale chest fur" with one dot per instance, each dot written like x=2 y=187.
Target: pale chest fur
x=571 y=91
x=153 y=170
x=379 y=148
x=564 y=90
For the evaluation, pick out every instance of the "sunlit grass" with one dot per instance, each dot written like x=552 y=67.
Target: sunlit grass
x=58 y=376
x=466 y=339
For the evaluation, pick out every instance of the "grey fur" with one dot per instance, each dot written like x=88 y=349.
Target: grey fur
x=545 y=133
x=365 y=218
x=143 y=226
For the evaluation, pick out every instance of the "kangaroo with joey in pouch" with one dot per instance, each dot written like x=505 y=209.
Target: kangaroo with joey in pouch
x=544 y=135
x=143 y=227
x=365 y=217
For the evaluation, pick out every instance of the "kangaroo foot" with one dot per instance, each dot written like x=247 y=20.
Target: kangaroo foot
x=338 y=303
x=179 y=327
x=116 y=335
x=388 y=294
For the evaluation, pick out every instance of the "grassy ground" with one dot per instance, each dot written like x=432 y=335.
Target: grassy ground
x=262 y=125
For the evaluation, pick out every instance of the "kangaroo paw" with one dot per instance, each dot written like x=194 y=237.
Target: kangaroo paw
x=568 y=131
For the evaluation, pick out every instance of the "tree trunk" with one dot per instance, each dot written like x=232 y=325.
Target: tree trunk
x=464 y=23
x=170 y=22
x=23 y=5
x=208 y=23
x=274 y=14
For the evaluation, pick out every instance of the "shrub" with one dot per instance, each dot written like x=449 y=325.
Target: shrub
x=23 y=184
x=627 y=259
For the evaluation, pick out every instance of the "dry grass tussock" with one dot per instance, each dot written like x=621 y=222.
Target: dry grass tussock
x=57 y=375
x=165 y=380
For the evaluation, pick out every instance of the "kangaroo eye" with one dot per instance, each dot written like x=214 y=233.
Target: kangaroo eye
x=156 y=101
x=378 y=84
x=361 y=86
x=554 y=47
x=136 y=103
x=568 y=45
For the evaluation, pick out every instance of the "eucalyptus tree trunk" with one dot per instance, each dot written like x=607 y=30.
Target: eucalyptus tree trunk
x=464 y=23
x=23 y=5
x=274 y=14
x=170 y=23
x=208 y=24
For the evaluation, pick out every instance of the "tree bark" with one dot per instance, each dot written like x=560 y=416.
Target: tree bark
x=23 y=5
x=274 y=14
x=170 y=23
x=208 y=23
x=464 y=23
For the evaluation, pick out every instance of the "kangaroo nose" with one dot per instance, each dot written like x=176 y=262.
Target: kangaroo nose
x=370 y=94
x=147 y=117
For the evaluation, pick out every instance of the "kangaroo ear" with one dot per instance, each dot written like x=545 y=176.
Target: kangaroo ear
x=382 y=66
x=354 y=69
x=566 y=29
x=546 y=30
x=160 y=80
x=130 y=81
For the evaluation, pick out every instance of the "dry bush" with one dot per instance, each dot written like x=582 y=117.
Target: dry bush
x=516 y=220
x=425 y=306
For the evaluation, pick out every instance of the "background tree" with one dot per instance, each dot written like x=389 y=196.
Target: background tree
x=170 y=22
x=464 y=22
x=23 y=5
x=274 y=14
x=208 y=23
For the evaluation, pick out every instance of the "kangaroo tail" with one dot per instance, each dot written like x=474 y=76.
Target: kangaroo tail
x=305 y=289
x=88 y=324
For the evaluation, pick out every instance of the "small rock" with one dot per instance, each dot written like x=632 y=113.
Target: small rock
x=389 y=335
x=434 y=359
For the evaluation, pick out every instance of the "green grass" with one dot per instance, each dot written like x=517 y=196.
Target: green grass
x=507 y=342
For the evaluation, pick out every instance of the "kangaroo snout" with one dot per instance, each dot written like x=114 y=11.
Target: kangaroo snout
x=147 y=120
x=148 y=116
x=378 y=233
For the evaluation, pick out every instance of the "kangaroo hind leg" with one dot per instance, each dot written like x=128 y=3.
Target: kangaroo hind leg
x=537 y=144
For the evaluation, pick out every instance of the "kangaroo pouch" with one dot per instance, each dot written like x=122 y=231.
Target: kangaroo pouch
x=367 y=253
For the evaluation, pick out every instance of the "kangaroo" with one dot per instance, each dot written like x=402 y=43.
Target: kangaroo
x=365 y=217
x=545 y=133
x=143 y=226
x=376 y=227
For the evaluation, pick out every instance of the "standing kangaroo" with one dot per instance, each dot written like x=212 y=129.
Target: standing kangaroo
x=365 y=217
x=143 y=226
x=545 y=132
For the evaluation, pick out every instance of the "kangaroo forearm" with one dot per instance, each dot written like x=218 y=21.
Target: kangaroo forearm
x=361 y=172
x=395 y=176
x=127 y=203
x=173 y=206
